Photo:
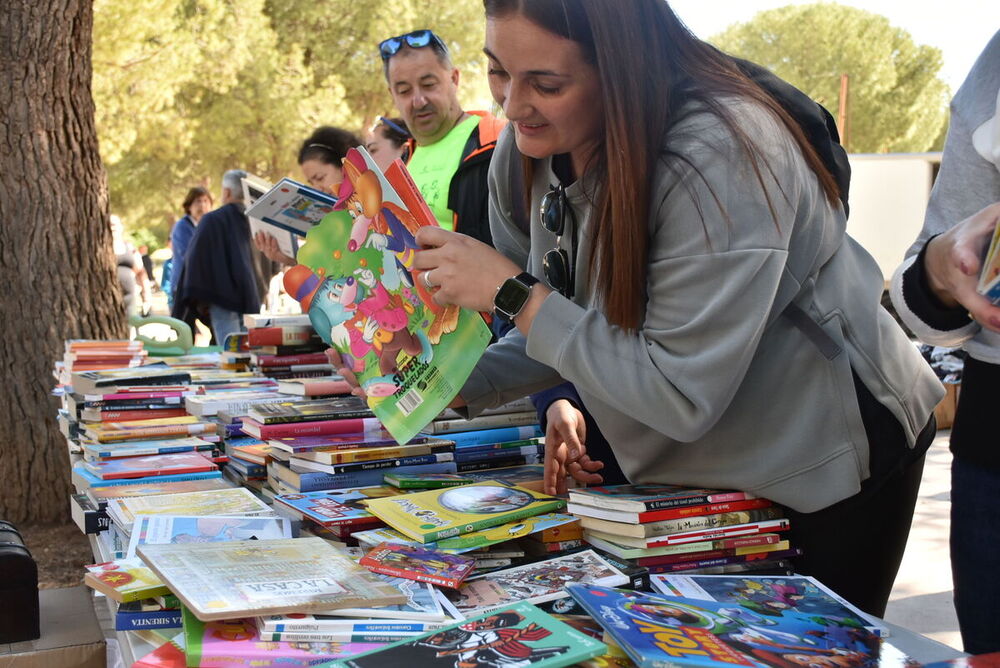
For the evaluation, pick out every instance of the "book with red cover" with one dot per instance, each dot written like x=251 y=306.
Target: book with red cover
x=142 y=467
x=666 y=513
x=333 y=442
x=315 y=387
x=314 y=428
x=279 y=336
x=309 y=410
x=420 y=564
x=289 y=360
x=137 y=414
x=640 y=498
x=681 y=538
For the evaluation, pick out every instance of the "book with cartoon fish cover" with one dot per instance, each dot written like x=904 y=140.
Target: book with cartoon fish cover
x=518 y=635
x=356 y=282
x=441 y=513
x=660 y=631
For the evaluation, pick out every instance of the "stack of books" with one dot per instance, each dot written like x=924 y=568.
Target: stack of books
x=94 y=355
x=669 y=528
x=282 y=347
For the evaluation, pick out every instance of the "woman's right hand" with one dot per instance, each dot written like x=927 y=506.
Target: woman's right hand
x=343 y=368
x=268 y=245
x=565 y=449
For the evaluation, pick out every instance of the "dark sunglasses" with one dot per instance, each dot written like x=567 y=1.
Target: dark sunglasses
x=393 y=126
x=415 y=40
x=556 y=262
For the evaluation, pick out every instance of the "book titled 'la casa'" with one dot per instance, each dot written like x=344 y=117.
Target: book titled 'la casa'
x=441 y=513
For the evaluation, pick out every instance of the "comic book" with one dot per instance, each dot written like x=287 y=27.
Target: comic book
x=265 y=577
x=519 y=635
x=771 y=596
x=420 y=564
x=666 y=631
x=336 y=506
x=441 y=513
x=535 y=583
x=124 y=580
x=639 y=498
x=356 y=282
x=475 y=540
x=161 y=529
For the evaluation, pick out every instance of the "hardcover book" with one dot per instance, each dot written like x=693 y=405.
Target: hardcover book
x=770 y=596
x=639 y=498
x=336 y=506
x=534 y=583
x=356 y=282
x=152 y=465
x=281 y=335
x=741 y=545
x=125 y=580
x=265 y=577
x=236 y=642
x=146 y=614
x=232 y=501
x=162 y=529
x=441 y=513
x=660 y=631
x=519 y=635
x=306 y=410
x=366 y=454
x=417 y=563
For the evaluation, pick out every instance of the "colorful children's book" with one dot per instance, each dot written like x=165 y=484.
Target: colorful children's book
x=232 y=501
x=519 y=635
x=235 y=642
x=660 y=631
x=442 y=513
x=265 y=577
x=639 y=498
x=161 y=529
x=417 y=563
x=475 y=540
x=426 y=481
x=336 y=506
x=125 y=580
x=356 y=282
x=770 y=596
x=151 y=465
x=535 y=583
x=292 y=206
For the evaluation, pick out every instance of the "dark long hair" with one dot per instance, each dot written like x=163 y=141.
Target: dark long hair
x=627 y=41
x=329 y=145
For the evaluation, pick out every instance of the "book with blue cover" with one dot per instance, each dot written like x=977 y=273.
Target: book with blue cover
x=667 y=631
x=518 y=635
x=336 y=506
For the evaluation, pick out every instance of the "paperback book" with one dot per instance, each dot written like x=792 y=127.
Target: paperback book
x=101 y=495
x=125 y=580
x=151 y=465
x=417 y=563
x=739 y=544
x=639 y=498
x=370 y=453
x=95 y=451
x=642 y=517
x=232 y=501
x=989 y=275
x=426 y=481
x=421 y=603
x=519 y=635
x=292 y=206
x=163 y=529
x=333 y=442
x=441 y=513
x=264 y=577
x=336 y=506
x=305 y=410
x=697 y=535
x=665 y=527
x=410 y=354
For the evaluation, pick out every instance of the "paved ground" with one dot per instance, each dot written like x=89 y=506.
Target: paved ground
x=921 y=598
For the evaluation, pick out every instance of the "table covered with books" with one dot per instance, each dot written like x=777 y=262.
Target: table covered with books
x=241 y=514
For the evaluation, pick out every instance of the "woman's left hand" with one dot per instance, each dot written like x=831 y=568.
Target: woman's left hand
x=464 y=272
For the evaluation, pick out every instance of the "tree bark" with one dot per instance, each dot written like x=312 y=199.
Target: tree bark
x=58 y=271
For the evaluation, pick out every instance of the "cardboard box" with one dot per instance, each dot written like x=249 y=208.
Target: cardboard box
x=71 y=636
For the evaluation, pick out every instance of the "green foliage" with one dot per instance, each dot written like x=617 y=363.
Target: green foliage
x=896 y=102
x=186 y=89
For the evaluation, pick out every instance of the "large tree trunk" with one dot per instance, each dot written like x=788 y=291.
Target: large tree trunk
x=55 y=243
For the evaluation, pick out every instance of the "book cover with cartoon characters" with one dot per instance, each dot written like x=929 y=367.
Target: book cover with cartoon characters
x=659 y=631
x=516 y=636
x=334 y=507
x=416 y=563
x=441 y=513
x=355 y=280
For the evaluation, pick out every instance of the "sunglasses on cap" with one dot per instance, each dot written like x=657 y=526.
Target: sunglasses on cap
x=556 y=262
x=415 y=40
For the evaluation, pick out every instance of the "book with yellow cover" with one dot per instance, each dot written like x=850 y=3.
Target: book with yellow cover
x=125 y=580
x=441 y=513
x=265 y=577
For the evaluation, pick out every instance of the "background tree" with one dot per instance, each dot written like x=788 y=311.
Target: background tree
x=55 y=242
x=896 y=101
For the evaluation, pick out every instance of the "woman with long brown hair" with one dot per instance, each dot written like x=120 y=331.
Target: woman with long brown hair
x=688 y=272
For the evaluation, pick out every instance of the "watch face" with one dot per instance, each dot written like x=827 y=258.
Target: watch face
x=510 y=298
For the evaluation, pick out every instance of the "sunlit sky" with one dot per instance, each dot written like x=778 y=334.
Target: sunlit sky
x=960 y=28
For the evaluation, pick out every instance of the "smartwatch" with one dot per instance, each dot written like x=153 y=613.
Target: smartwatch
x=512 y=295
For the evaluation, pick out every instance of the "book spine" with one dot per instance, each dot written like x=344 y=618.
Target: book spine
x=292 y=636
x=314 y=482
x=343 y=626
x=323 y=427
x=158 y=473
x=144 y=433
x=717 y=532
x=505 y=453
x=149 y=619
x=521 y=460
x=279 y=336
x=289 y=360
x=347 y=414
x=500 y=435
x=371 y=454
x=390 y=463
x=132 y=415
x=325 y=387
x=708 y=509
x=484 y=422
x=487 y=522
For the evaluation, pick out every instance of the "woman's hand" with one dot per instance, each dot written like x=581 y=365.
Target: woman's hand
x=462 y=270
x=345 y=370
x=953 y=263
x=268 y=245
x=565 y=449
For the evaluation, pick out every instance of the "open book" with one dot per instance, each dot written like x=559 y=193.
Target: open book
x=286 y=210
x=356 y=282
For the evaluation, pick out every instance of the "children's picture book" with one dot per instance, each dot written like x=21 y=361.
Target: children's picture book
x=535 y=583
x=659 y=631
x=355 y=280
x=421 y=603
x=417 y=563
x=125 y=580
x=263 y=577
x=254 y=187
x=236 y=642
x=426 y=481
x=441 y=513
x=232 y=501
x=770 y=596
x=336 y=506
x=474 y=540
x=161 y=529
x=292 y=206
x=151 y=465
x=989 y=275
x=519 y=635
x=639 y=498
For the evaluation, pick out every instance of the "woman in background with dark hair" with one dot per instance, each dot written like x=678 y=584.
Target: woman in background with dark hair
x=197 y=203
x=386 y=141
x=321 y=159
x=689 y=273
